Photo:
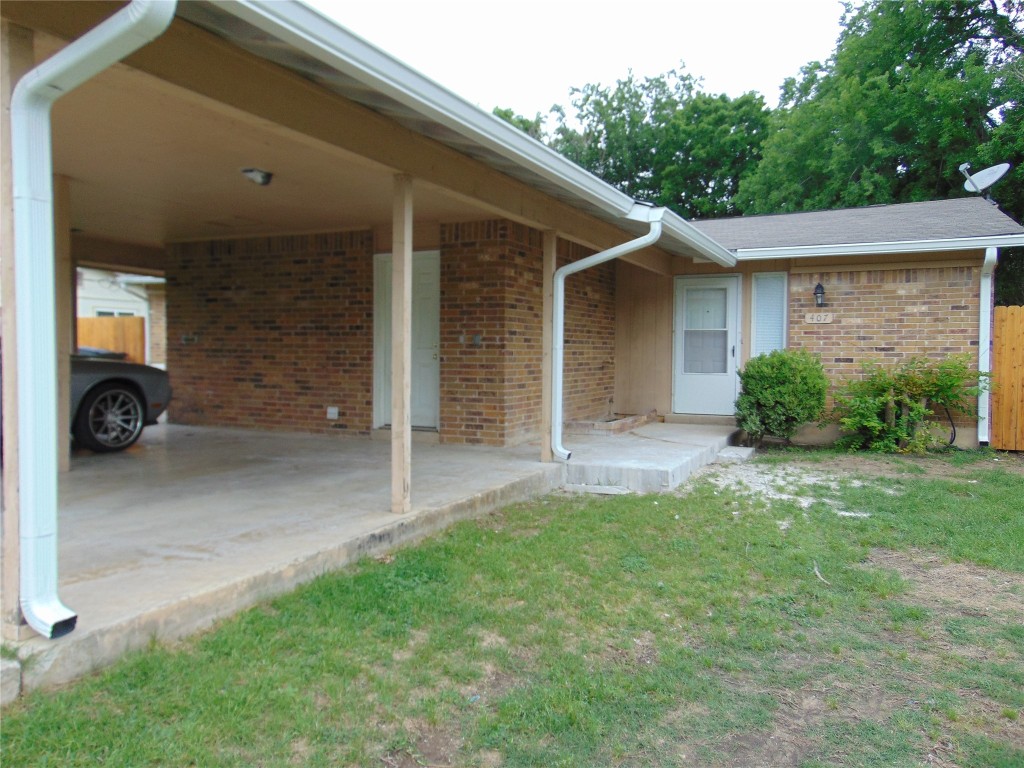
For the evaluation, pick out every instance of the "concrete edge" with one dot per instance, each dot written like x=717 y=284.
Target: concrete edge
x=10 y=681
x=53 y=663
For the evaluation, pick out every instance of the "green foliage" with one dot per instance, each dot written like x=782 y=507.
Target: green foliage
x=709 y=145
x=1010 y=278
x=530 y=126
x=660 y=139
x=780 y=392
x=913 y=89
x=887 y=409
x=623 y=129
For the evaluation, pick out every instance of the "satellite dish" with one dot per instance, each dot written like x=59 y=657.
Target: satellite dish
x=982 y=180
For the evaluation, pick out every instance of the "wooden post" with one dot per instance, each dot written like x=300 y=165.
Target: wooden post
x=401 y=346
x=64 y=270
x=547 y=337
x=16 y=58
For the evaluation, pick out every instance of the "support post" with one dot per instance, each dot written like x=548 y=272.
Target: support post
x=16 y=58
x=549 y=266
x=64 y=273
x=401 y=346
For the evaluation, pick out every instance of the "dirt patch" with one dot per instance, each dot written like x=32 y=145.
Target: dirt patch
x=955 y=588
x=641 y=653
x=433 y=746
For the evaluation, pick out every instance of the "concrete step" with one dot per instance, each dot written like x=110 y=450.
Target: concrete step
x=654 y=458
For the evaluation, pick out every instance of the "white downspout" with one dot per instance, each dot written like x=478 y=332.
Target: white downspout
x=35 y=304
x=641 y=212
x=985 y=339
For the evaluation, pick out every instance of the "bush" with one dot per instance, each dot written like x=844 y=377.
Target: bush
x=780 y=392
x=887 y=408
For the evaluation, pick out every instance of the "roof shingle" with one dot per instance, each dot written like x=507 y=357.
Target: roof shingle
x=904 y=222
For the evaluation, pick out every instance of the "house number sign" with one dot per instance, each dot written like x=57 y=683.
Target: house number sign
x=819 y=317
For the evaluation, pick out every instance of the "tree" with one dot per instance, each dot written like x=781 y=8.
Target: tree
x=708 y=146
x=530 y=126
x=622 y=128
x=662 y=140
x=913 y=89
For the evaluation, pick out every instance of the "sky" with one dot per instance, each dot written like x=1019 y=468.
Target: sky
x=527 y=55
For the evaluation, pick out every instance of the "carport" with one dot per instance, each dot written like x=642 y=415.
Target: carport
x=150 y=160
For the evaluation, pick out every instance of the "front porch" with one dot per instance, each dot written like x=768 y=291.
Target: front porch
x=194 y=524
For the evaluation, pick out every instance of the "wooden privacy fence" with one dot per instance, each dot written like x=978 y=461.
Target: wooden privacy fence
x=1006 y=431
x=118 y=334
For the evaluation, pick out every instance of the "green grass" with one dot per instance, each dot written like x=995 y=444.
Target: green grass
x=661 y=631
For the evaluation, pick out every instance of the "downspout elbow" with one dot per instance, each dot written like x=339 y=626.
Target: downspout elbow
x=32 y=180
x=654 y=217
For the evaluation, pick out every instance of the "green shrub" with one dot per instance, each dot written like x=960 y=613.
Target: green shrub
x=887 y=408
x=780 y=392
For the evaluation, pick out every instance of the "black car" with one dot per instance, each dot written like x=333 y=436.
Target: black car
x=111 y=401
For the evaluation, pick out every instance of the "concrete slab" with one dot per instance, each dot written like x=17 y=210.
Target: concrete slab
x=192 y=525
x=735 y=454
x=653 y=458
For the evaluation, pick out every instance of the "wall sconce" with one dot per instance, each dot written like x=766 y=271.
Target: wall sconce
x=819 y=295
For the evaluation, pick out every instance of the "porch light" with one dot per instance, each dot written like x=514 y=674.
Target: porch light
x=257 y=176
x=819 y=295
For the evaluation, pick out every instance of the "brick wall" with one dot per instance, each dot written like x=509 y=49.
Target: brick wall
x=491 y=313
x=887 y=315
x=492 y=287
x=589 y=371
x=157 y=324
x=267 y=332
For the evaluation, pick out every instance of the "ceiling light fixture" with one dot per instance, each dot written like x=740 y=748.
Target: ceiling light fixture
x=257 y=176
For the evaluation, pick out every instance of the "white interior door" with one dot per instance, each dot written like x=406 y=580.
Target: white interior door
x=705 y=344
x=426 y=340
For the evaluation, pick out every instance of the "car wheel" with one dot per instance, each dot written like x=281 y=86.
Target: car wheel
x=110 y=418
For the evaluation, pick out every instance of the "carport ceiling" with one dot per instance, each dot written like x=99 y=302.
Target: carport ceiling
x=151 y=163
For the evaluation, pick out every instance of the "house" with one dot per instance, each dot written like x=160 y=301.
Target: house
x=103 y=298
x=349 y=248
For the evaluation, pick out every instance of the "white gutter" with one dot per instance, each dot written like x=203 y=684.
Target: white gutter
x=864 y=249
x=985 y=340
x=35 y=302
x=640 y=212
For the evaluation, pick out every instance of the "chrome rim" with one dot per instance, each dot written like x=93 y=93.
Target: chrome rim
x=115 y=419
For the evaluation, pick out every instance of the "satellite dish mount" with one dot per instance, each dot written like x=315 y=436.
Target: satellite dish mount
x=982 y=180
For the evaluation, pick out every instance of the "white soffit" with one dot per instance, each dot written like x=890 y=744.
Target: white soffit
x=298 y=38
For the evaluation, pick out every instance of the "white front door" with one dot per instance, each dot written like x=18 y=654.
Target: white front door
x=705 y=343
x=426 y=339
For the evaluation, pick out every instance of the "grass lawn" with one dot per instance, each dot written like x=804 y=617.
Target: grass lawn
x=802 y=610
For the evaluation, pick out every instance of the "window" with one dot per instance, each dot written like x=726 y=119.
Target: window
x=769 y=313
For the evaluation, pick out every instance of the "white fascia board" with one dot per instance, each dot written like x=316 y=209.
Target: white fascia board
x=866 y=249
x=679 y=229
x=321 y=38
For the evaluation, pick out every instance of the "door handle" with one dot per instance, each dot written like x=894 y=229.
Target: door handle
x=733 y=350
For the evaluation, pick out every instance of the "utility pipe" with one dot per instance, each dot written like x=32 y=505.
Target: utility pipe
x=985 y=339
x=35 y=305
x=640 y=212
